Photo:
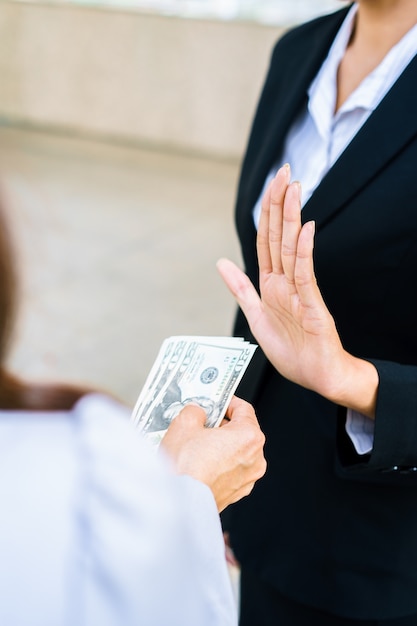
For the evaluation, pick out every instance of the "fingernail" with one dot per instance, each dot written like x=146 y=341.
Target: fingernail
x=285 y=170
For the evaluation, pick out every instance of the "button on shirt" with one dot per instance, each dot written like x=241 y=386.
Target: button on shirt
x=319 y=135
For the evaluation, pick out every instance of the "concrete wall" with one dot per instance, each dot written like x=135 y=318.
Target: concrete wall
x=171 y=83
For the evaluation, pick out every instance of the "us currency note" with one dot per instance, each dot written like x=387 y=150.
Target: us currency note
x=191 y=370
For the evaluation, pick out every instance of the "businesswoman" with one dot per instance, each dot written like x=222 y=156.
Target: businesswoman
x=329 y=536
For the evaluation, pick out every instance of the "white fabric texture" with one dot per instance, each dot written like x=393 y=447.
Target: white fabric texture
x=95 y=530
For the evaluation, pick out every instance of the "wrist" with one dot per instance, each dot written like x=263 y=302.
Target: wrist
x=356 y=386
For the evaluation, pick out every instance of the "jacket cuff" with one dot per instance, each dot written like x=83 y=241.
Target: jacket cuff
x=394 y=451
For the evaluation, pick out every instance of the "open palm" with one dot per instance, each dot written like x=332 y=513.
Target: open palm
x=289 y=320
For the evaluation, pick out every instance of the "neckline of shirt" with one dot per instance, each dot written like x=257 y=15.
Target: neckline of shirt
x=322 y=92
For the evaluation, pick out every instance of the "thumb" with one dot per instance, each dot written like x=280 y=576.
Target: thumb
x=186 y=426
x=192 y=418
x=241 y=288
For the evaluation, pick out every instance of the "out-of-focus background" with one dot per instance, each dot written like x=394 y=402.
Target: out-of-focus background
x=122 y=128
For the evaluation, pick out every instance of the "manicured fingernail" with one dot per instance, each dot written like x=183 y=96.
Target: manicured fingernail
x=285 y=171
x=299 y=188
x=312 y=226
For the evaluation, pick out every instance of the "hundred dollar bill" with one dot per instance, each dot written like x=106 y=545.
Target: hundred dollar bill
x=191 y=370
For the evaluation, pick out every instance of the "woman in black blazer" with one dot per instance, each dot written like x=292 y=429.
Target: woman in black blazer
x=329 y=536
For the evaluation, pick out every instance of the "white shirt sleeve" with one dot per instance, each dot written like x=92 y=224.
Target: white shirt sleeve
x=360 y=429
x=99 y=531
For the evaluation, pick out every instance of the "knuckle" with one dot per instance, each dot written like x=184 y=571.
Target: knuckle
x=262 y=469
x=288 y=250
x=302 y=281
x=246 y=490
x=255 y=438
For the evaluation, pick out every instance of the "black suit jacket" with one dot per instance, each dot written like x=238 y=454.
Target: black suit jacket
x=326 y=526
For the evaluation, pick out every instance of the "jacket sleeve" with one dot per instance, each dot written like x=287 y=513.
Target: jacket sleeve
x=394 y=453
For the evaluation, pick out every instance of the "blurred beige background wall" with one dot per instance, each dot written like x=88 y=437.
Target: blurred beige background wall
x=121 y=134
x=186 y=85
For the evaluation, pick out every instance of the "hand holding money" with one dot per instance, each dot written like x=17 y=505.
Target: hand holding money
x=228 y=459
x=203 y=371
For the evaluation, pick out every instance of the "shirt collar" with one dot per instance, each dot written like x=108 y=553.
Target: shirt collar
x=322 y=92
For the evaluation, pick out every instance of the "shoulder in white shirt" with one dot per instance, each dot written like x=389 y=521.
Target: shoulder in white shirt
x=95 y=530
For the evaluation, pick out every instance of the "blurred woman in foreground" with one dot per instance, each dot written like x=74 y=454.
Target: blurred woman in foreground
x=97 y=529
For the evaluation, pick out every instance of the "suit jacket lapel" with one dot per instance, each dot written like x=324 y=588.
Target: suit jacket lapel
x=389 y=128
x=284 y=95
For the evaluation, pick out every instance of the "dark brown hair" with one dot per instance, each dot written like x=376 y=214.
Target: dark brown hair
x=14 y=392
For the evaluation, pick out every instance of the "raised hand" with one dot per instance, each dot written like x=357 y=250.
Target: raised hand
x=290 y=320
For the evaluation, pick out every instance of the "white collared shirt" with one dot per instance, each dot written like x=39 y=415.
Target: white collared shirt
x=319 y=135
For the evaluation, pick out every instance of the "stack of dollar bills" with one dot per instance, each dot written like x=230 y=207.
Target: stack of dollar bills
x=191 y=370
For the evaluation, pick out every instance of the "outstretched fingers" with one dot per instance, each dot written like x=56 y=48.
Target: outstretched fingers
x=262 y=238
x=304 y=278
x=291 y=227
x=269 y=236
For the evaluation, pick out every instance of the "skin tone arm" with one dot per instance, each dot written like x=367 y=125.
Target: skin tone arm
x=290 y=320
x=228 y=459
